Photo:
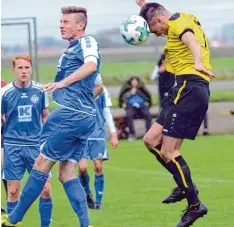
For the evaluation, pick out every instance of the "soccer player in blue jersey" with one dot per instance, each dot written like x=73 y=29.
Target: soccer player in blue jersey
x=67 y=128
x=25 y=108
x=96 y=150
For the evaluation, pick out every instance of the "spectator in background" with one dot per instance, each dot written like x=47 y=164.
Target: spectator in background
x=135 y=97
x=166 y=80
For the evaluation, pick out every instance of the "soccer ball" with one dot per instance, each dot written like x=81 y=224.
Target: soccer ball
x=135 y=30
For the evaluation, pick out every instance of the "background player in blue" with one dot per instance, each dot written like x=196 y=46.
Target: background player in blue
x=96 y=149
x=25 y=108
x=65 y=133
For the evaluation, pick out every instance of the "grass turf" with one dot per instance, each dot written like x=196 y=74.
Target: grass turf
x=136 y=184
x=117 y=73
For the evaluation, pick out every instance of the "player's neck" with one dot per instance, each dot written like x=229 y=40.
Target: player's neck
x=79 y=34
x=20 y=84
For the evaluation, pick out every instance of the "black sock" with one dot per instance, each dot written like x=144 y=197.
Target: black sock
x=181 y=174
x=5 y=185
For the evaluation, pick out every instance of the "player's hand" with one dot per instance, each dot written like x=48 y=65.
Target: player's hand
x=114 y=140
x=203 y=70
x=51 y=87
x=140 y=2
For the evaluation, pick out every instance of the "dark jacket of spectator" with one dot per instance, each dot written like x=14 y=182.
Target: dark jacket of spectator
x=142 y=90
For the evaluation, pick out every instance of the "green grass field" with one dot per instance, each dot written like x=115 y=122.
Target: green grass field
x=215 y=96
x=136 y=184
x=117 y=73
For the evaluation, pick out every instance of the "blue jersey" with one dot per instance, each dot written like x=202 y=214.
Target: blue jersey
x=136 y=100
x=77 y=96
x=102 y=101
x=22 y=108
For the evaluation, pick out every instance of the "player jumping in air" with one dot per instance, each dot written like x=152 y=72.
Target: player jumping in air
x=65 y=133
x=187 y=55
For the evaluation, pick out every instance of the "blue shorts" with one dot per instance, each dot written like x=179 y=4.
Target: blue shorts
x=96 y=149
x=65 y=134
x=17 y=159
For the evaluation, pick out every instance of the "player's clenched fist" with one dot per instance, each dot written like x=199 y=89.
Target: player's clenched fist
x=140 y=2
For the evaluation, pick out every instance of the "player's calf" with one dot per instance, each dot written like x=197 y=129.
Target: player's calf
x=12 y=195
x=84 y=180
x=46 y=205
x=99 y=182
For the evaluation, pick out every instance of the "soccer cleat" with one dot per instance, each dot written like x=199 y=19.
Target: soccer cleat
x=177 y=195
x=205 y=133
x=98 y=206
x=6 y=222
x=90 y=201
x=192 y=214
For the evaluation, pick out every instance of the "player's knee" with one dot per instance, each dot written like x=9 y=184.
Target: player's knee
x=98 y=169
x=46 y=193
x=149 y=141
x=13 y=193
x=82 y=170
x=62 y=177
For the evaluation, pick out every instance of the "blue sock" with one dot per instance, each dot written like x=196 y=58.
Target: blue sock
x=11 y=206
x=99 y=187
x=84 y=180
x=45 y=210
x=77 y=198
x=32 y=189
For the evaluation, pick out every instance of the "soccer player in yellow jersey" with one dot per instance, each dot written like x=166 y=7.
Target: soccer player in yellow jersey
x=188 y=57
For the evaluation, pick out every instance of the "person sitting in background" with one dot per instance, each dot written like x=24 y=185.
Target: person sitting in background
x=135 y=97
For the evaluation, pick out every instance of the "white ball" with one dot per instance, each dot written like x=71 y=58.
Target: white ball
x=135 y=30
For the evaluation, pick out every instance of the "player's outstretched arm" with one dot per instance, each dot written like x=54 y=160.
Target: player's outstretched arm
x=84 y=71
x=190 y=40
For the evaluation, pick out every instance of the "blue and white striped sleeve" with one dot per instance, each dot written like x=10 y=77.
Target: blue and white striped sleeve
x=90 y=49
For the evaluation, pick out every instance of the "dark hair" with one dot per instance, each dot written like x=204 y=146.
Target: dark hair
x=73 y=9
x=150 y=10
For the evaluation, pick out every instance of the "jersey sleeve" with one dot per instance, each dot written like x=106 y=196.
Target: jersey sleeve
x=107 y=97
x=180 y=26
x=45 y=100
x=90 y=49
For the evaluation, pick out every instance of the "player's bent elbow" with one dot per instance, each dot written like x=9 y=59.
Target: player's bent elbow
x=92 y=66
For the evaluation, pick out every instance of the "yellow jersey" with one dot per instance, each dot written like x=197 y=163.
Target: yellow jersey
x=178 y=57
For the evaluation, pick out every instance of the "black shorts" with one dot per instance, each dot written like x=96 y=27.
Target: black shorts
x=182 y=115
